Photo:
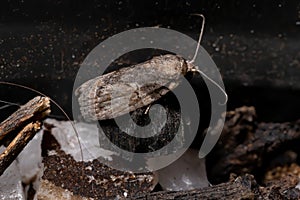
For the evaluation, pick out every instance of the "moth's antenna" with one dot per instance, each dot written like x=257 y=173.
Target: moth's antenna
x=215 y=83
x=55 y=103
x=10 y=103
x=194 y=58
x=200 y=37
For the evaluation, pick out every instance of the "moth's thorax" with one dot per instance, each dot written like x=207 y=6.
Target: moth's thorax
x=174 y=64
x=192 y=68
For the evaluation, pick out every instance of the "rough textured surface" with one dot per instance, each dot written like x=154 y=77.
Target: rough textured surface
x=237 y=188
x=90 y=179
x=240 y=188
x=283 y=188
x=251 y=147
x=280 y=172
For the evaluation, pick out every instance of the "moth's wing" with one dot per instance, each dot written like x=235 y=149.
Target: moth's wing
x=128 y=89
x=95 y=98
x=110 y=101
x=152 y=92
x=91 y=86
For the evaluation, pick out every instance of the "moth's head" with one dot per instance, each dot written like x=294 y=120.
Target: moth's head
x=193 y=69
x=188 y=68
x=183 y=65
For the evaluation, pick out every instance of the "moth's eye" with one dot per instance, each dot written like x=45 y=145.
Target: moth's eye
x=184 y=67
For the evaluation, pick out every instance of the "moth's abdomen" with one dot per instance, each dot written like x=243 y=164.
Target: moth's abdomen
x=125 y=90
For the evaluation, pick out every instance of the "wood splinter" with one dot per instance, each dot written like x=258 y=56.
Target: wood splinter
x=22 y=125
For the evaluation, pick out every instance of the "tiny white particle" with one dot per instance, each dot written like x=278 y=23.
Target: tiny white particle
x=125 y=194
x=113 y=178
x=52 y=153
x=91 y=178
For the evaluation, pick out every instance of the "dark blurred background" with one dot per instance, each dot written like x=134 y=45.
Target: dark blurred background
x=255 y=44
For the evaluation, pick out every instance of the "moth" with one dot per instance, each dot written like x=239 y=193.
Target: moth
x=127 y=89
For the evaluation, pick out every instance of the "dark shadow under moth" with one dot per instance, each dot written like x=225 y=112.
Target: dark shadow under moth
x=125 y=90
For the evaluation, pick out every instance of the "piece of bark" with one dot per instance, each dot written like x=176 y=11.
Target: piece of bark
x=239 y=188
x=17 y=145
x=239 y=126
x=247 y=146
x=20 y=127
x=34 y=110
x=283 y=188
x=255 y=154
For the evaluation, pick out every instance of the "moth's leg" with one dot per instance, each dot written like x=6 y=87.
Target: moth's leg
x=5 y=106
x=147 y=110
